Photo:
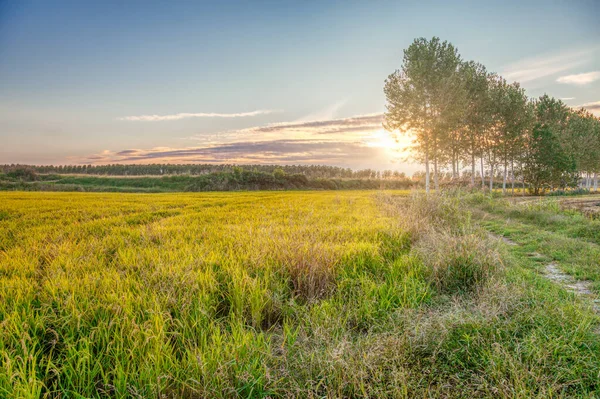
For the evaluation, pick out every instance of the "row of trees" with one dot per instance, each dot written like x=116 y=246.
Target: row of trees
x=461 y=114
x=310 y=171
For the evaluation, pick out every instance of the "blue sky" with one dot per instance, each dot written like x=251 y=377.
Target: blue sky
x=245 y=82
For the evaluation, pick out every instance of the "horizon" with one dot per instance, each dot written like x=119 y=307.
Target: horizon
x=281 y=84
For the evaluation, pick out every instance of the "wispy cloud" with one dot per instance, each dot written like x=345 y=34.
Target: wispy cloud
x=357 y=141
x=184 y=115
x=263 y=152
x=580 y=78
x=567 y=98
x=541 y=66
x=351 y=128
x=593 y=107
x=332 y=126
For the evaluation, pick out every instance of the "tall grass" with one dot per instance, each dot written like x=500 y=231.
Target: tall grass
x=314 y=294
x=458 y=255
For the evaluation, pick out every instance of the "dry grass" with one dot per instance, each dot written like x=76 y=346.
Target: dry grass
x=459 y=256
x=458 y=262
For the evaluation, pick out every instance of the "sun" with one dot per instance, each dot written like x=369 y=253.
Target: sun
x=397 y=144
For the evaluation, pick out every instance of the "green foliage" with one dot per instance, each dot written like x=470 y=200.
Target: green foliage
x=458 y=262
x=459 y=113
x=144 y=170
x=425 y=96
x=22 y=173
x=547 y=164
x=238 y=179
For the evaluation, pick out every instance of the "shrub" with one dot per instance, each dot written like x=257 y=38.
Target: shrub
x=457 y=256
x=23 y=173
x=420 y=214
x=310 y=267
x=458 y=262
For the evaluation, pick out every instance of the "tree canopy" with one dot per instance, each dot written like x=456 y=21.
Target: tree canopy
x=459 y=112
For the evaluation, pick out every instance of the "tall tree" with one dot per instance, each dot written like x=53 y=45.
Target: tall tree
x=421 y=97
x=513 y=120
x=581 y=139
x=477 y=110
x=492 y=136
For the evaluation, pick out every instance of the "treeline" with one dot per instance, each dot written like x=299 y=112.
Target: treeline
x=23 y=178
x=310 y=171
x=463 y=115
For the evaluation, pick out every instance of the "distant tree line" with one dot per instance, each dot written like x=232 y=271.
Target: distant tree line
x=310 y=171
x=461 y=116
x=21 y=177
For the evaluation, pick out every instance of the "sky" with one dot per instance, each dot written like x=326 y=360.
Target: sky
x=275 y=82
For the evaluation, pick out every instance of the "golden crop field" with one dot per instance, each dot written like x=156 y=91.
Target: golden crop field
x=264 y=294
x=187 y=284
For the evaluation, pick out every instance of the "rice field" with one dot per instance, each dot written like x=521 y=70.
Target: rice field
x=276 y=294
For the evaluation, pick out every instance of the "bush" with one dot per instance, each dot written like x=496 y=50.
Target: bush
x=22 y=173
x=310 y=267
x=419 y=214
x=457 y=256
x=458 y=263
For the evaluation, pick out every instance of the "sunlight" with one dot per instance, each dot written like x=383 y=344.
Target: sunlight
x=394 y=143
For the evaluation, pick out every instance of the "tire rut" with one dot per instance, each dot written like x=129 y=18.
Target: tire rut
x=553 y=272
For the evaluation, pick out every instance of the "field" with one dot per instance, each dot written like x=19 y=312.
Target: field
x=296 y=294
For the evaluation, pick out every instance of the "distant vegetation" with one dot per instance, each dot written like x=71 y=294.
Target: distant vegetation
x=310 y=171
x=230 y=178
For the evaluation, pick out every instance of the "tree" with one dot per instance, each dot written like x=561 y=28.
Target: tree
x=477 y=110
x=546 y=164
x=421 y=97
x=581 y=139
x=514 y=118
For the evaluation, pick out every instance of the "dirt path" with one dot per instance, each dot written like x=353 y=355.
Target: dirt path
x=553 y=272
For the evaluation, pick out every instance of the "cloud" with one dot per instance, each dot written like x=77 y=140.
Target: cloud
x=541 y=66
x=580 y=78
x=357 y=142
x=351 y=128
x=173 y=117
x=344 y=125
x=260 y=152
x=593 y=107
x=567 y=98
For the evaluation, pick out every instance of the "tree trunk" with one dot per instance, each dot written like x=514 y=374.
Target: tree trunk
x=426 y=171
x=512 y=176
x=504 y=180
x=482 y=175
x=436 y=181
x=473 y=170
x=595 y=181
x=453 y=167
x=588 y=181
x=491 y=176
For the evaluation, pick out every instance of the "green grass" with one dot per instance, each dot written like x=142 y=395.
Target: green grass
x=565 y=236
x=277 y=294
